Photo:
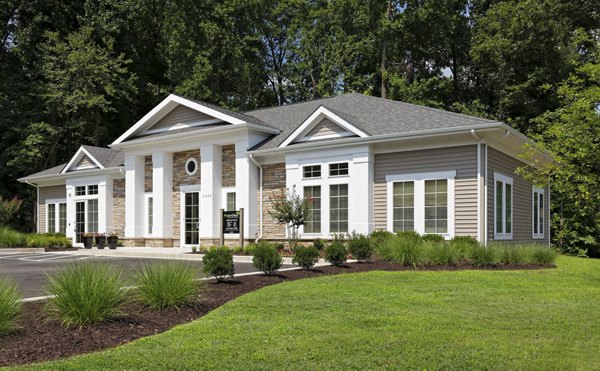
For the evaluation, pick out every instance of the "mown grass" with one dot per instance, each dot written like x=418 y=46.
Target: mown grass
x=525 y=319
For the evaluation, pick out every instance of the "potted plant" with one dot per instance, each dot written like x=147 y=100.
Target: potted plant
x=100 y=240
x=88 y=240
x=113 y=241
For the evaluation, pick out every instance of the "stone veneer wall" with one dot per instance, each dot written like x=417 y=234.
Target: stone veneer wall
x=118 y=207
x=148 y=174
x=228 y=166
x=180 y=177
x=273 y=185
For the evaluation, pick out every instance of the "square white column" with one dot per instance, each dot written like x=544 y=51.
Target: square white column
x=210 y=190
x=246 y=185
x=70 y=232
x=134 y=196
x=361 y=193
x=162 y=193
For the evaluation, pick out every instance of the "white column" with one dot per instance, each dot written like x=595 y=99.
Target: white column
x=134 y=196
x=70 y=232
x=210 y=190
x=102 y=212
x=162 y=193
x=361 y=194
x=246 y=185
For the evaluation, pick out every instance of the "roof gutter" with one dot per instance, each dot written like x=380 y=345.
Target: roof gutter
x=382 y=138
x=70 y=174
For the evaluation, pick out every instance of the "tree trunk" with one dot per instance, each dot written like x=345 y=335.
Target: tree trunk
x=388 y=15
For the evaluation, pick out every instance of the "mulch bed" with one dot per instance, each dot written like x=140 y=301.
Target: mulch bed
x=43 y=339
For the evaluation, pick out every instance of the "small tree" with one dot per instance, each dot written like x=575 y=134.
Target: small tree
x=8 y=210
x=292 y=210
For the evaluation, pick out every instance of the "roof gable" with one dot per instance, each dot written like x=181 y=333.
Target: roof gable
x=82 y=160
x=324 y=123
x=85 y=163
x=181 y=117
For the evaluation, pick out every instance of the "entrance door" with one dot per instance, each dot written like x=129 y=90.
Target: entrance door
x=191 y=218
x=79 y=220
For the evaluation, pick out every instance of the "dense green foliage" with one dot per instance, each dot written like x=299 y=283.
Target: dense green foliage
x=336 y=253
x=360 y=247
x=83 y=72
x=167 y=285
x=525 y=319
x=266 y=258
x=12 y=238
x=10 y=305
x=85 y=293
x=218 y=262
x=404 y=249
x=9 y=210
x=305 y=256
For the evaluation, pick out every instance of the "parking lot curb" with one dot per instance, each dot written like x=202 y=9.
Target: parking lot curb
x=21 y=250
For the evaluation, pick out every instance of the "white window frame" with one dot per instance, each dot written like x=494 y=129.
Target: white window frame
x=338 y=163
x=502 y=235
x=147 y=198
x=322 y=176
x=535 y=192
x=56 y=202
x=191 y=173
x=419 y=201
x=315 y=234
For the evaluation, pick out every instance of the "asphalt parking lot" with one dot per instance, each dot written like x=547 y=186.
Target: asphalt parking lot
x=29 y=270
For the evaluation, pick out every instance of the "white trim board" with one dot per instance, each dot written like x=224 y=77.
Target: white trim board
x=314 y=119
x=77 y=157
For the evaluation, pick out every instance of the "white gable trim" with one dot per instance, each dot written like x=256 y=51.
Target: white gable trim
x=166 y=106
x=78 y=156
x=314 y=120
x=183 y=126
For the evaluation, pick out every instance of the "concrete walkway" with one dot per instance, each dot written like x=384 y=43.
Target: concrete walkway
x=174 y=253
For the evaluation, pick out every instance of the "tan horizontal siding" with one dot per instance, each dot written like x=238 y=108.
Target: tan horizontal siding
x=522 y=199
x=462 y=159
x=85 y=162
x=48 y=193
x=325 y=127
x=180 y=115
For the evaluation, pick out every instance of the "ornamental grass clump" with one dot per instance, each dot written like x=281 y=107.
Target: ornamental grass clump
x=463 y=245
x=404 y=249
x=542 y=255
x=510 y=254
x=10 y=306
x=482 y=256
x=218 y=263
x=305 y=256
x=167 y=285
x=85 y=293
x=11 y=238
x=441 y=253
x=266 y=259
x=336 y=253
x=360 y=247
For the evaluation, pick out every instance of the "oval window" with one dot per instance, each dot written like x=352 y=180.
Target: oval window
x=191 y=166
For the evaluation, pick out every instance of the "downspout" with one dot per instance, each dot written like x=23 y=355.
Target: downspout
x=479 y=141
x=37 y=203
x=260 y=213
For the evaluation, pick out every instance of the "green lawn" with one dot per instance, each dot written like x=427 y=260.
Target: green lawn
x=540 y=319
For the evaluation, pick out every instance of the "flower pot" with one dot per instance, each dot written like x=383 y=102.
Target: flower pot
x=112 y=242
x=87 y=242
x=101 y=242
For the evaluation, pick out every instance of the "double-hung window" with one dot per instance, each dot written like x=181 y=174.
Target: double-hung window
x=338 y=208
x=538 y=212
x=503 y=206
x=404 y=206
x=51 y=211
x=436 y=206
x=313 y=193
x=56 y=217
x=230 y=201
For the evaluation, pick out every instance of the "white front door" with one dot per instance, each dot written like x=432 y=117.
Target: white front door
x=190 y=226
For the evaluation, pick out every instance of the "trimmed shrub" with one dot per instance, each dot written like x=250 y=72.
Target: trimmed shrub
x=361 y=248
x=379 y=237
x=404 y=249
x=218 y=263
x=542 y=255
x=11 y=238
x=266 y=259
x=306 y=256
x=167 y=285
x=10 y=305
x=430 y=237
x=85 y=293
x=319 y=243
x=47 y=240
x=441 y=253
x=482 y=256
x=510 y=254
x=336 y=253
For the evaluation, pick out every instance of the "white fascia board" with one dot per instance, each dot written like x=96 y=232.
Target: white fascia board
x=80 y=153
x=62 y=176
x=168 y=104
x=314 y=118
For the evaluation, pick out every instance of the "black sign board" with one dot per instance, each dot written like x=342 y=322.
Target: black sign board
x=231 y=222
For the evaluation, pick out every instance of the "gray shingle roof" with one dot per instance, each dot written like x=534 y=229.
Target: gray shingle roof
x=106 y=156
x=375 y=116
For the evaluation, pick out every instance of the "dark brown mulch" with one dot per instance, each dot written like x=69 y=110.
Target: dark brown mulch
x=42 y=339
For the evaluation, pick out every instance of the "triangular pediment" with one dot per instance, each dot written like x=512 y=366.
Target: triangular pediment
x=85 y=163
x=83 y=160
x=182 y=117
x=322 y=124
